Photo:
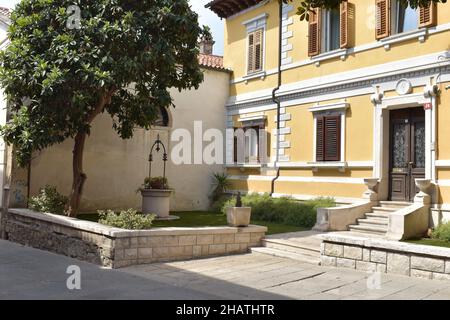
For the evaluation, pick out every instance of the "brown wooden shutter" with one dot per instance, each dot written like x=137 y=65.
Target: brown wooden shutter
x=314 y=32
x=258 y=50
x=383 y=18
x=320 y=152
x=428 y=16
x=333 y=138
x=344 y=32
x=251 y=53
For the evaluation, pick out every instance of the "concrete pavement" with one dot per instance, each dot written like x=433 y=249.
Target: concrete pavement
x=33 y=274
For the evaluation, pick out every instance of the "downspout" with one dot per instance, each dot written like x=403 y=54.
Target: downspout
x=275 y=99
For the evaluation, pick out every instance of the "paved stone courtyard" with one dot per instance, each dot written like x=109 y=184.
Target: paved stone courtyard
x=33 y=274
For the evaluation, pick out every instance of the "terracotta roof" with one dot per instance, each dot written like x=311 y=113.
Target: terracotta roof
x=5 y=11
x=227 y=8
x=211 y=61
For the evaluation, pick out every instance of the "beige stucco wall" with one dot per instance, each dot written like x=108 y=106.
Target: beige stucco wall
x=116 y=168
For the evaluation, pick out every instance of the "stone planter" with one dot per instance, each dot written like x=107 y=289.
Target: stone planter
x=156 y=202
x=239 y=217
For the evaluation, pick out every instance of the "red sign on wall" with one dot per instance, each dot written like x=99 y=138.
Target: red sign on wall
x=428 y=106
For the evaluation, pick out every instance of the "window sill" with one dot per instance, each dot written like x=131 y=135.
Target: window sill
x=342 y=166
x=261 y=75
x=420 y=34
x=339 y=53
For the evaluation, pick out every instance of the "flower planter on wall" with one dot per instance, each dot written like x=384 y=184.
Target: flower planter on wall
x=156 y=202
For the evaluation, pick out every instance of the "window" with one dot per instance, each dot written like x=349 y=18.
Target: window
x=404 y=18
x=331 y=25
x=328 y=138
x=328 y=29
x=246 y=145
x=394 y=17
x=255 y=51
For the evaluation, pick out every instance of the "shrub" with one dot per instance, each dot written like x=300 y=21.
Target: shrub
x=158 y=183
x=49 y=200
x=442 y=232
x=127 y=219
x=221 y=183
x=282 y=210
x=217 y=206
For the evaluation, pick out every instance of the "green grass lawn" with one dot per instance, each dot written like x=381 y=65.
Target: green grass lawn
x=206 y=219
x=431 y=242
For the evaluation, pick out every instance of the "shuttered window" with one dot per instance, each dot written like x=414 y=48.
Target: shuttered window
x=328 y=30
x=255 y=51
x=314 y=30
x=328 y=140
x=248 y=139
x=383 y=18
x=428 y=16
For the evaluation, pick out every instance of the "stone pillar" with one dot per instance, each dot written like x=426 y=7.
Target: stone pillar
x=423 y=197
x=372 y=189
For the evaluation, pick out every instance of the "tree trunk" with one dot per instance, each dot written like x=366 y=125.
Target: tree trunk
x=79 y=177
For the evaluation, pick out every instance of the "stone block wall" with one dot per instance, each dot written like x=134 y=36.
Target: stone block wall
x=377 y=255
x=116 y=248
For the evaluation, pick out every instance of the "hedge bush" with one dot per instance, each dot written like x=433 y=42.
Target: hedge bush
x=49 y=200
x=282 y=210
x=442 y=232
x=127 y=219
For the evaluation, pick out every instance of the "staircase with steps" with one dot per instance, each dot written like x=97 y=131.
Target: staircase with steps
x=376 y=222
x=300 y=246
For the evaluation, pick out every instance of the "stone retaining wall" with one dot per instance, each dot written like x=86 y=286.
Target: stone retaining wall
x=116 y=248
x=378 y=255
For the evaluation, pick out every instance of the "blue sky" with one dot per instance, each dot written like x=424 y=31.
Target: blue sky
x=206 y=17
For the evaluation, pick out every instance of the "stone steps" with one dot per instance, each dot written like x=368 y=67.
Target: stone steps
x=394 y=204
x=294 y=247
x=299 y=246
x=379 y=230
x=373 y=221
x=377 y=221
x=377 y=215
x=288 y=255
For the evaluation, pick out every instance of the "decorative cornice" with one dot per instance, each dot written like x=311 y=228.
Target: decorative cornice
x=356 y=84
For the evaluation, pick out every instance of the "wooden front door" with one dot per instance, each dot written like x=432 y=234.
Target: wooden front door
x=407 y=156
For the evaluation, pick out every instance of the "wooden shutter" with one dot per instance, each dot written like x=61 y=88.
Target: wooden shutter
x=344 y=42
x=320 y=138
x=428 y=15
x=255 y=51
x=314 y=32
x=258 y=50
x=383 y=18
x=332 y=138
x=251 y=53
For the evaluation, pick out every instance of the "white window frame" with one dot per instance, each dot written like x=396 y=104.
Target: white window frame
x=252 y=25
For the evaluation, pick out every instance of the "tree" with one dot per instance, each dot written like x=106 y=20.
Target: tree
x=305 y=6
x=70 y=61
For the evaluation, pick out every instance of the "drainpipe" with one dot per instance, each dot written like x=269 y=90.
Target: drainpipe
x=275 y=99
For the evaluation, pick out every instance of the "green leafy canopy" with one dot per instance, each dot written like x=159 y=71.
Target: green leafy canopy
x=305 y=6
x=124 y=58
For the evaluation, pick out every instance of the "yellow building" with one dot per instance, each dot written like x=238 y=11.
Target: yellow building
x=358 y=92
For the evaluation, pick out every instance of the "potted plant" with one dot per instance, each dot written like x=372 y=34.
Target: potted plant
x=156 y=197
x=239 y=216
